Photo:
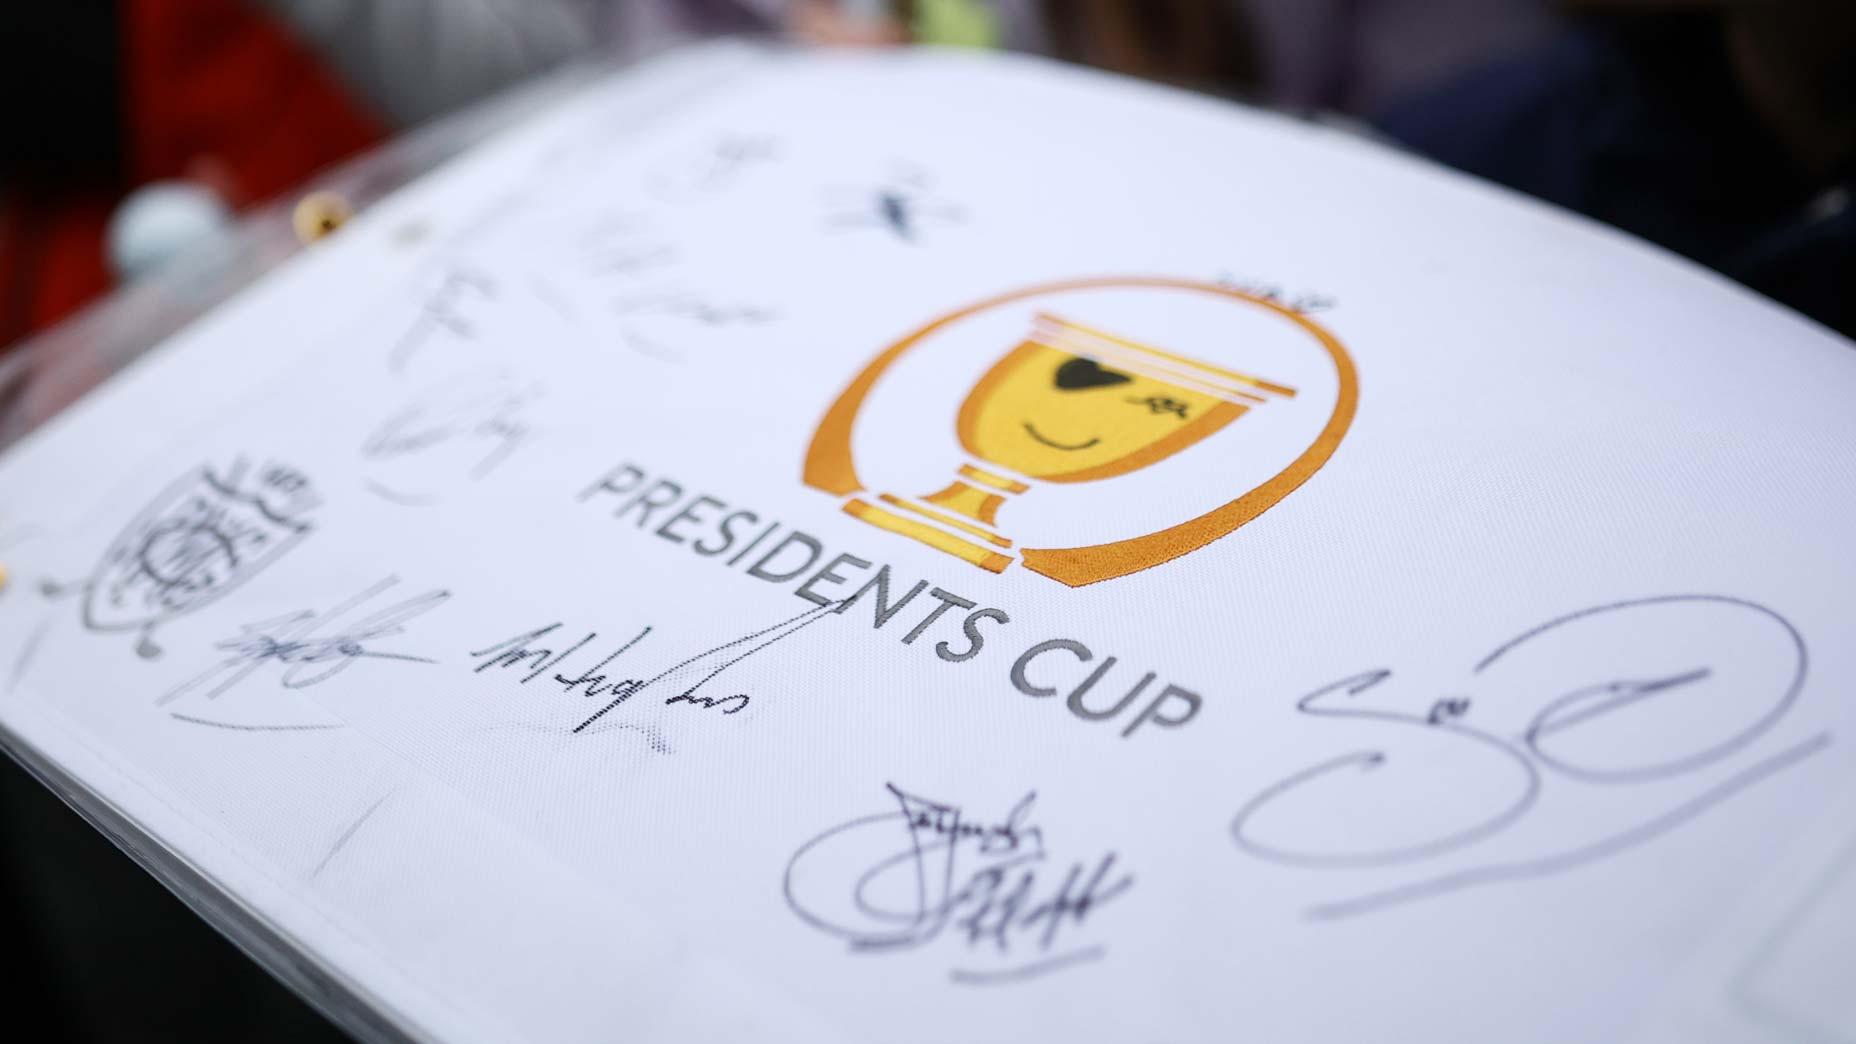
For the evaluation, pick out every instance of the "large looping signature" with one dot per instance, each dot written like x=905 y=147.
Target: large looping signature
x=903 y=879
x=1667 y=690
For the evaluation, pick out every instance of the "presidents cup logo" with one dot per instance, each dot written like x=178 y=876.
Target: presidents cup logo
x=1110 y=424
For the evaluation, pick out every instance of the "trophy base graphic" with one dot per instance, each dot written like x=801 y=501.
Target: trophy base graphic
x=958 y=520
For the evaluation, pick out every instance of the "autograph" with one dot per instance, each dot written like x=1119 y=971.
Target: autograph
x=693 y=307
x=471 y=424
x=1657 y=690
x=525 y=653
x=652 y=321
x=446 y=311
x=903 y=879
x=711 y=169
x=625 y=246
x=902 y=206
x=1305 y=303
x=308 y=646
x=201 y=537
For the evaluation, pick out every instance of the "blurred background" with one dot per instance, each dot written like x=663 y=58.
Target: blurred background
x=1724 y=130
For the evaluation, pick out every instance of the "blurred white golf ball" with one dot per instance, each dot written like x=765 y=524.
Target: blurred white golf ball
x=159 y=221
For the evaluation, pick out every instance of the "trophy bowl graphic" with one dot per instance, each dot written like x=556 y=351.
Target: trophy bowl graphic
x=1073 y=403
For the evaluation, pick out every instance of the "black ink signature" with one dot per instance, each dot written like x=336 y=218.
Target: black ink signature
x=902 y=205
x=711 y=169
x=1306 y=303
x=625 y=246
x=902 y=879
x=646 y=318
x=525 y=652
x=482 y=414
x=683 y=304
x=445 y=311
x=309 y=646
x=1495 y=755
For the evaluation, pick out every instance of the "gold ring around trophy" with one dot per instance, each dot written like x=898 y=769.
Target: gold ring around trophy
x=1071 y=403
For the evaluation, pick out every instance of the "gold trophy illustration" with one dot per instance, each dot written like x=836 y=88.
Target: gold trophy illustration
x=1069 y=403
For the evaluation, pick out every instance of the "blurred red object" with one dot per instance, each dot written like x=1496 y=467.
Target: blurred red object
x=212 y=91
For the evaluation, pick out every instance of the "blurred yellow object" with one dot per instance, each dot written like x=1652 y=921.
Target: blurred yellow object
x=957 y=23
x=3 y=578
x=319 y=214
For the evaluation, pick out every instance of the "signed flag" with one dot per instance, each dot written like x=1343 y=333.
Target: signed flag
x=941 y=546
